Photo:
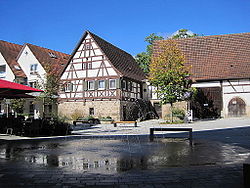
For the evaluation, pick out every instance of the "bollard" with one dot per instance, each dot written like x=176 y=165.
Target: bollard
x=246 y=175
x=135 y=124
x=115 y=125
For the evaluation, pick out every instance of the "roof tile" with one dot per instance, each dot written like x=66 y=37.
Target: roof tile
x=50 y=57
x=10 y=52
x=217 y=57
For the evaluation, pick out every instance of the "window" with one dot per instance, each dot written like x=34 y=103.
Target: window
x=101 y=84
x=33 y=68
x=89 y=65
x=124 y=84
x=17 y=67
x=112 y=84
x=84 y=66
x=69 y=86
x=130 y=86
x=87 y=46
x=91 y=85
x=31 y=108
x=33 y=84
x=52 y=55
x=2 y=71
x=91 y=111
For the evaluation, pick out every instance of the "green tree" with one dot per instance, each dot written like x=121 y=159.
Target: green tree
x=50 y=85
x=184 y=33
x=17 y=105
x=144 y=58
x=169 y=74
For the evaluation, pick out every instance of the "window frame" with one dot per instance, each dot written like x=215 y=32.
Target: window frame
x=93 y=82
x=91 y=111
x=124 y=84
x=101 y=88
x=33 y=70
x=3 y=73
x=110 y=83
x=69 y=87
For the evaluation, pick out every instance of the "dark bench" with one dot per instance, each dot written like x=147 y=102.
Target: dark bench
x=151 y=136
x=124 y=122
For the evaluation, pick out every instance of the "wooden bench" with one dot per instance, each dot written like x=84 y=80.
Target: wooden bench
x=80 y=121
x=190 y=130
x=124 y=122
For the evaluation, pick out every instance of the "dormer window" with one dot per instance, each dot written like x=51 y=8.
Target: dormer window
x=33 y=68
x=52 y=55
x=17 y=67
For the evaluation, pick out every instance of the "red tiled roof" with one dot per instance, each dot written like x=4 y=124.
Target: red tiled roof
x=57 y=59
x=217 y=57
x=10 y=52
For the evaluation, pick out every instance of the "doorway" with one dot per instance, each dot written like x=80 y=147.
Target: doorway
x=236 y=107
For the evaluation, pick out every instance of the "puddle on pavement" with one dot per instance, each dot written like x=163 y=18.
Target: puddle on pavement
x=114 y=156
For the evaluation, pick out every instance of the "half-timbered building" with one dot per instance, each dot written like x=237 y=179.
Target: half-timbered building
x=100 y=80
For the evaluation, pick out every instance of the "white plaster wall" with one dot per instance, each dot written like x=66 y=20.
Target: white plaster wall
x=9 y=74
x=237 y=88
x=207 y=84
x=96 y=64
x=25 y=60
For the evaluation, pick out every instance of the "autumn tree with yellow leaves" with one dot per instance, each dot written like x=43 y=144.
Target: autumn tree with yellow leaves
x=168 y=73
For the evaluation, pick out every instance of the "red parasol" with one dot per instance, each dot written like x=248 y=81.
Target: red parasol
x=11 y=89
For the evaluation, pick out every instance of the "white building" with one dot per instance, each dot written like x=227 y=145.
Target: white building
x=26 y=65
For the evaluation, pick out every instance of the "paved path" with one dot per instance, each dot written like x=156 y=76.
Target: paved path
x=143 y=128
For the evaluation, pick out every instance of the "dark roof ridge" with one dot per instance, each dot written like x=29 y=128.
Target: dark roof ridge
x=207 y=36
x=45 y=48
x=11 y=42
x=109 y=43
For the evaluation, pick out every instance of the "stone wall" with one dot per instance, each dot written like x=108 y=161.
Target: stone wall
x=166 y=108
x=101 y=109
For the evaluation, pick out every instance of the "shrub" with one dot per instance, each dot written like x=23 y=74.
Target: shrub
x=76 y=115
x=179 y=113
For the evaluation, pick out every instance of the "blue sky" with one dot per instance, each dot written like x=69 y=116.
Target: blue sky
x=59 y=24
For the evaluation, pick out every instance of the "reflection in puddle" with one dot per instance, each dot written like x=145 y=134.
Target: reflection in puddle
x=112 y=156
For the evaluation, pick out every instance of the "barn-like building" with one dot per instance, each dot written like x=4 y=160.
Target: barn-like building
x=220 y=69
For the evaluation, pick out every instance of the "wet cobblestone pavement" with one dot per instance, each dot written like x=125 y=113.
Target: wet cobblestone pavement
x=214 y=161
x=228 y=176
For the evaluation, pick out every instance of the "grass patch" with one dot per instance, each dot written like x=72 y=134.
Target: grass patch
x=175 y=122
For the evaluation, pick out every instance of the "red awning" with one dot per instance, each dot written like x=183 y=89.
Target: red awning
x=11 y=88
